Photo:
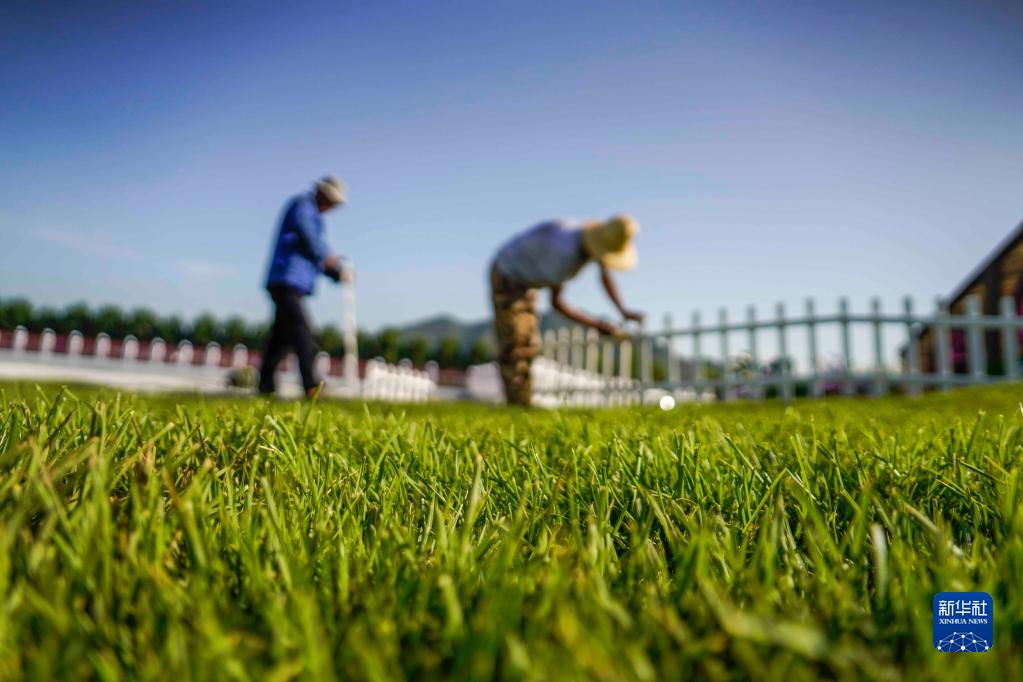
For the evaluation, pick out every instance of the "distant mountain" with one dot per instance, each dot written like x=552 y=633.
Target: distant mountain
x=443 y=326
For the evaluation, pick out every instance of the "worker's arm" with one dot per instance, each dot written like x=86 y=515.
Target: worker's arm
x=306 y=222
x=579 y=316
x=306 y=226
x=335 y=270
x=612 y=293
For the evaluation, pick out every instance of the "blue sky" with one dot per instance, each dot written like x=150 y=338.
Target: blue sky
x=771 y=151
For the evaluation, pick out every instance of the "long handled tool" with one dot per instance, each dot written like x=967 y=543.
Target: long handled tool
x=349 y=331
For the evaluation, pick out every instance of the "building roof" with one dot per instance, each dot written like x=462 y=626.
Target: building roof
x=1013 y=239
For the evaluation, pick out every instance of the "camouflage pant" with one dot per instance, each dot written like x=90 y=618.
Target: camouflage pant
x=518 y=335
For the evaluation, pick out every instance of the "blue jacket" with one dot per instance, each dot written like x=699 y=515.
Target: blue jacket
x=299 y=250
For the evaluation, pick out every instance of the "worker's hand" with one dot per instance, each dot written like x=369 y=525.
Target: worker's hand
x=633 y=316
x=347 y=275
x=609 y=329
x=333 y=273
x=332 y=267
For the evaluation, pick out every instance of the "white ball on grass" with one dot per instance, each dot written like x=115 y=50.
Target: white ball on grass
x=667 y=403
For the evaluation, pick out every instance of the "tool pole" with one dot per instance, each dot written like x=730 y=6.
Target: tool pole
x=349 y=331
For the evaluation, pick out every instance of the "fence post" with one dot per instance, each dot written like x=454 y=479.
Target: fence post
x=1010 y=338
x=47 y=342
x=726 y=382
x=646 y=357
x=608 y=359
x=432 y=369
x=322 y=364
x=625 y=359
x=975 y=340
x=576 y=348
x=211 y=355
x=550 y=344
x=102 y=347
x=880 y=376
x=20 y=341
x=941 y=330
x=239 y=355
x=185 y=352
x=592 y=351
x=912 y=350
x=564 y=340
x=848 y=385
x=755 y=375
x=157 y=351
x=669 y=350
x=811 y=338
x=783 y=352
x=130 y=349
x=697 y=353
x=75 y=342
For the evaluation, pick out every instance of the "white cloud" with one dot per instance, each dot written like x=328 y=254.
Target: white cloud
x=205 y=271
x=98 y=244
x=88 y=243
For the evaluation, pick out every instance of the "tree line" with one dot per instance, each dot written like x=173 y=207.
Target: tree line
x=145 y=324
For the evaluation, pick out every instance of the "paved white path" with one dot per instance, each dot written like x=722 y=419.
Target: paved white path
x=157 y=379
x=140 y=378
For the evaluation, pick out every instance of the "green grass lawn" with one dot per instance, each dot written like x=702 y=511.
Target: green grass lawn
x=184 y=538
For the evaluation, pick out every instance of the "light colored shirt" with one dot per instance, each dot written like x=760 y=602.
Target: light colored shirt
x=547 y=255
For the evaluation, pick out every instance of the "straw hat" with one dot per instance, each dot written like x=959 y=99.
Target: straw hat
x=611 y=242
x=332 y=189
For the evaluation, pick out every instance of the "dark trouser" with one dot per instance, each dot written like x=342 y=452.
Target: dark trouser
x=290 y=331
x=518 y=335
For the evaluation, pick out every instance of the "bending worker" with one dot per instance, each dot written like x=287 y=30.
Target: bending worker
x=547 y=256
x=300 y=255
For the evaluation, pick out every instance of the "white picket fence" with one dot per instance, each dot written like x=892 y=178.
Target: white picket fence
x=558 y=385
x=184 y=366
x=401 y=383
x=159 y=355
x=553 y=385
x=728 y=375
x=782 y=356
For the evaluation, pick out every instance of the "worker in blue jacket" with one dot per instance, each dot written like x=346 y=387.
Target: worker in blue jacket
x=300 y=255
